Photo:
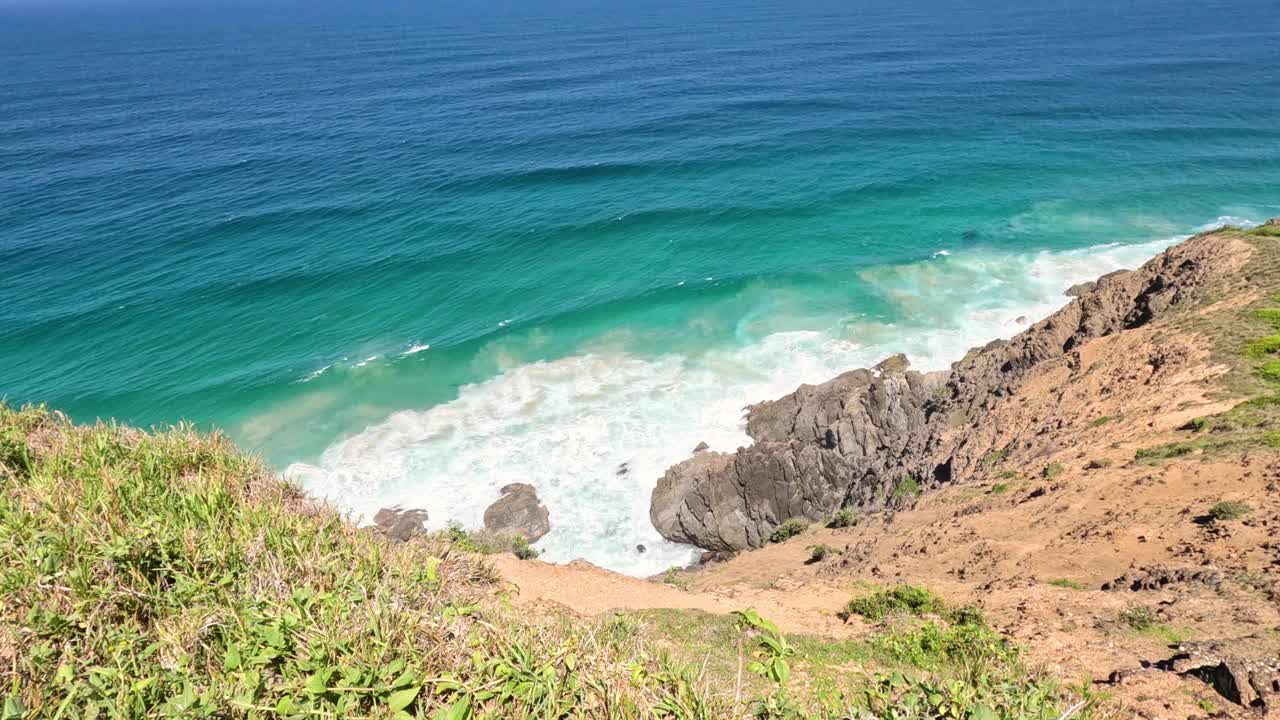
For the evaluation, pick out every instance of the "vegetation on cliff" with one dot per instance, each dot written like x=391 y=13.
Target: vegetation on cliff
x=167 y=574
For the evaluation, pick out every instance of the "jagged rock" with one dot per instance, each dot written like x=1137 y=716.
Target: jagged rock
x=848 y=442
x=641 y=549
x=1080 y=289
x=518 y=512
x=701 y=446
x=1159 y=576
x=399 y=524
x=1245 y=670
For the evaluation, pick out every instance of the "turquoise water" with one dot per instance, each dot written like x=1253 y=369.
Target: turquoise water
x=410 y=254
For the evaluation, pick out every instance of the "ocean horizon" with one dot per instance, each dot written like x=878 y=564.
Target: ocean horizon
x=412 y=254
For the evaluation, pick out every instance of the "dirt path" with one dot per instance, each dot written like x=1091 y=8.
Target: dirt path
x=797 y=605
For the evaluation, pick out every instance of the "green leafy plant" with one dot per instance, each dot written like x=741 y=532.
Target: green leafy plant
x=903 y=599
x=520 y=548
x=843 y=518
x=1053 y=470
x=906 y=487
x=787 y=530
x=819 y=552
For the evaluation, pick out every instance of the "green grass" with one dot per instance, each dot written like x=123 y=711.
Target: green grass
x=1167 y=451
x=167 y=575
x=1069 y=584
x=906 y=487
x=1053 y=470
x=1264 y=231
x=1142 y=620
x=1100 y=421
x=999 y=488
x=900 y=600
x=787 y=530
x=993 y=458
x=1099 y=464
x=1230 y=510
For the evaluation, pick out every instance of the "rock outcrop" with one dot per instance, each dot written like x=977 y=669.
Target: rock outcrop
x=518 y=512
x=870 y=437
x=399 y=524
x=848 y=441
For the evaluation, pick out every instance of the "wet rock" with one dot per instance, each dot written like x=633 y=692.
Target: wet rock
x=518 y=512
x=622 y=470
x=1022 y=320
x=399 y=524
x=641 y=549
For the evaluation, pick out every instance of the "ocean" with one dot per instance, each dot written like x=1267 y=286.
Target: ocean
x=410 y=252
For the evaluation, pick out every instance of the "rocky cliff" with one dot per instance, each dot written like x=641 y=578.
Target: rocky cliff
x=871 y=438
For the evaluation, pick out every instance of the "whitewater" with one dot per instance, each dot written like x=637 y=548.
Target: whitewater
x=594 y=431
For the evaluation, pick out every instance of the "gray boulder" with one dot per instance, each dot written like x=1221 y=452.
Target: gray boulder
x=399 y=524
x=518 y=512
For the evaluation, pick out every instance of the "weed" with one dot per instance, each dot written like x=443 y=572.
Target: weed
x=818 y=553
x=993 y=458
x=1053 y=470
x=1098 y=422
x=999 y=488
x=673 y=578
x=1099 y=464
x=1069 y=584
x=903 y=599
x=521 y=549
x=787 y=530
x=1229 y=510
x=843 y=518
x=907 y=486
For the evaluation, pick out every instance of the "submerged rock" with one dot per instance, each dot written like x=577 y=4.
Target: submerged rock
x=518 y=512
x=399 y=524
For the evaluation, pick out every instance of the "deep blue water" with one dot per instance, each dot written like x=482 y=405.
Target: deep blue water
x=613 y=226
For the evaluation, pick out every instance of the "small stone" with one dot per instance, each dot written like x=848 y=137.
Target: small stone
x=641 y=549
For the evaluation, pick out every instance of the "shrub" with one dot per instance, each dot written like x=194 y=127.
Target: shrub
x=521 y=549
x=907 y=486
x=1229 y=510
x=1102 y=420
x=1263 y=346
x=1098 y=464
x=1271 y=439
x=787 y=530
x=999 y=488
x=843 y=518
x=900 y=600
x=993 y=458
x=818 y=553
x=1053 y=471
x=673 y=578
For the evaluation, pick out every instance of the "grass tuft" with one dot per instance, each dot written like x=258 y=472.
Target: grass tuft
x=787 y=530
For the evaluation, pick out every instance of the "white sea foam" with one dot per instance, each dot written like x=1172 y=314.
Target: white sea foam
x=415 y=349
x=571 y=426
